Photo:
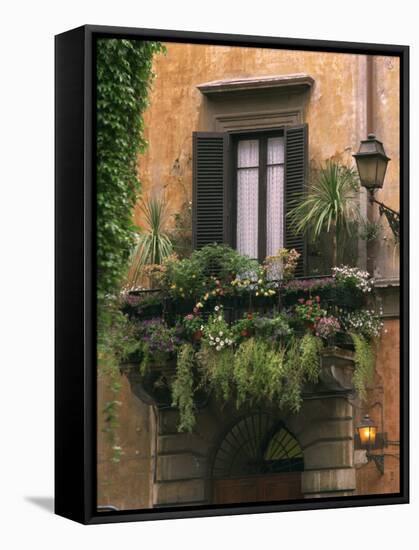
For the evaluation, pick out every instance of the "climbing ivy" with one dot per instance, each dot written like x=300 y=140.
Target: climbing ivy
x=124 y=76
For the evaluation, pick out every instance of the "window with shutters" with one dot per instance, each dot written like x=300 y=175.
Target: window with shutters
x=244 y=184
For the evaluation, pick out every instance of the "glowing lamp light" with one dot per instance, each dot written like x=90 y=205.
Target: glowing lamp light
x=367 y=431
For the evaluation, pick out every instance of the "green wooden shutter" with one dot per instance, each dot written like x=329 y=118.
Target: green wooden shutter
x=296 y=167
x=210 y=217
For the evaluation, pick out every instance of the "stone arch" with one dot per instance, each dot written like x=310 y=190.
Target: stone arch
x=255 y=443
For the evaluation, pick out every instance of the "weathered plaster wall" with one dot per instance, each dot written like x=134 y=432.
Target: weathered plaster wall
x=336 y=114
x=387 y=128
x=385 y=390
x=127 y=484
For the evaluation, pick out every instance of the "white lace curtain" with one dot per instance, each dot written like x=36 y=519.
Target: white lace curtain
x=248 y=196
x=275 y=196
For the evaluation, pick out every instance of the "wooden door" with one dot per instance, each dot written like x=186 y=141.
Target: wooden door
x=263 y=488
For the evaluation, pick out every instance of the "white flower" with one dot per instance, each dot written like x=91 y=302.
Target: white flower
x=218 y=348
x=211 y=337
x=220 y=333
x=220 y=318
x=217 y=339
x=217 y=308
x=222 y=343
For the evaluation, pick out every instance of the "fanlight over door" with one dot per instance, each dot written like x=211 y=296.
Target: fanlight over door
x=258 y=460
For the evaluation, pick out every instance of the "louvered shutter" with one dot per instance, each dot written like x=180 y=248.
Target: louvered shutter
x=210 y=218
x=296 y=166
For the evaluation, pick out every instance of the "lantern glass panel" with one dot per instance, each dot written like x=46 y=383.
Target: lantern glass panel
x=381 y=171
x=367 y=168
x=367 y=435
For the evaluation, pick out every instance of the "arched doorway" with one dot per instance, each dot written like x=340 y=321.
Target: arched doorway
x=257 y=460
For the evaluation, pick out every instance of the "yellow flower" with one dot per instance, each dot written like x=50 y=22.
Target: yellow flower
x=173 y=286
x=199 y=305
x=257 y=293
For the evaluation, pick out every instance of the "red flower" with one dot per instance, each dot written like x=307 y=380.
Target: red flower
x=317 y=298
x=301 y=300
x=309 y=302
x=317 y=318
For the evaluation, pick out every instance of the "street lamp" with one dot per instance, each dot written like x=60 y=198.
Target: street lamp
x=367 y=432
x=371 y=161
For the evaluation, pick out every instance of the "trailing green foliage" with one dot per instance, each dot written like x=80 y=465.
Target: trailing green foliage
x=258 y=371
x=124 y=74
x=309 y=352
x=364 y=364
x=215 y=368
x=183 y=388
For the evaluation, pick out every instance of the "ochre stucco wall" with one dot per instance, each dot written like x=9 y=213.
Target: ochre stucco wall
x=335 y=112
x=385 y=390
x=127 y=484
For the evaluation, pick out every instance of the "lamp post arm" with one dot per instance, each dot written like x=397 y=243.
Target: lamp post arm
x=384 y=207
x=392 y=216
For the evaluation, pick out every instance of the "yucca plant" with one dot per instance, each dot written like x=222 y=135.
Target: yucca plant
x=330 y=204
x=153 y=244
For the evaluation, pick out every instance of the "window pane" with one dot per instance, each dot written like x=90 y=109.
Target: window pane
x=276 y=150
x=248 y=153
x=247 y=211
x=275 y=195
x=247 y=197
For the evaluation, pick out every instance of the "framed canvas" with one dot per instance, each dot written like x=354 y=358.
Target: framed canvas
x=231 y=274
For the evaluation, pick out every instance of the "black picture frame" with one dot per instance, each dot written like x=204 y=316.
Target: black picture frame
x=75 y=346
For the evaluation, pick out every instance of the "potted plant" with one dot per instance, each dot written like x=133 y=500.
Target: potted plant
x=331 y=204
x=309 y=312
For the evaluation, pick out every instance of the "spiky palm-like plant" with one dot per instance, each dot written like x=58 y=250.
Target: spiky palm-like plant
x=153 y=244
x=330 y=204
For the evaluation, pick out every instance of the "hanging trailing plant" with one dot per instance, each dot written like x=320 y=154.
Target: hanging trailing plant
x=215 y=369
x=364 y=364
x=258 y=371
x=309 y=350
x=183 y=388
